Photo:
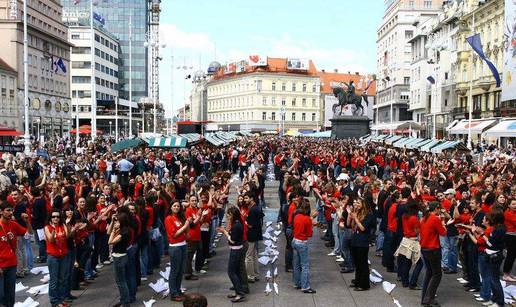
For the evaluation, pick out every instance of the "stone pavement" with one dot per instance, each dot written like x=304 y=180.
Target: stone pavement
x=332 y=286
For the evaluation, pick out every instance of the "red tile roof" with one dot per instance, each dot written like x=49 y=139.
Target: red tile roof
x=4 y=66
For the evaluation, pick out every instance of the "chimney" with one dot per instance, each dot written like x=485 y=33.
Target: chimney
x=336 y=70
x=349 y=72
x=323 y=71
x=357 y=73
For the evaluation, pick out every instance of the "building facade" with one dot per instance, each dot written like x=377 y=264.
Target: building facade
x=394 y=58
x=48 y=63
x=9 y=107
x=271 y=98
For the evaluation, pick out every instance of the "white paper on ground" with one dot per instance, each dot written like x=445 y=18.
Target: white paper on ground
x=388 y=287
x=275 y=239
x=268 y=288
x=43 y=289
x=268 y=224
x=29 y=302
x=149 y=303
x=375 y=272
x=165 y=274
x=269 y=229
x=268 y=275
x=41 y=234
x=266 y=235
x=276 y=289
x=20 y=287
x=267 y=243
x=273 y=246
x=45 y=279
x=375 y=279
x=276 y=271
x=274 y=259
x=277 y=233
x=264 y=260
x=40 y=269
x=396 y=302
x=159 y=286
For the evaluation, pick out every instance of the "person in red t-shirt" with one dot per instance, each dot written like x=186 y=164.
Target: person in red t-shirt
x=302 y=231
x=194 y=238
x=431 y=228
x=177 y=227
x=411 y=227
x=510 y=241
x=9 y=230
x=56 y=234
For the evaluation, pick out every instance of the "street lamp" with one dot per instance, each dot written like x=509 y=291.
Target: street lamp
x=125 y=128
x=26 y=135
x=152 y=42
x=110 y=132
x=138 y=125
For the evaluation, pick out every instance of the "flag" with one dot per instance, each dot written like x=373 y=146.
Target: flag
x=476 y=43
x=99 y=18
x=60 y=65
x=430 y=79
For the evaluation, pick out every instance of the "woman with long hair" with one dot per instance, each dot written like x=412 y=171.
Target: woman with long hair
x=194 y=238
x=362 y=220
x=495 y=245
x=235 y=237
x=510 y=241
x=56 y=234
x=431 y=228
x=177 y=226
x=302 y=231
x=119 y=238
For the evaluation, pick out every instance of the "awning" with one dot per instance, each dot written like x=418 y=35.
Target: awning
x=413 y=143
x=430 y=145
x=419 y=144
x=213 y=140
x=452 y=124
x=448 y=145
x=191 y=137
x=6 y=131
x=393 y=139
x=505 y=129
x=127 y=144
x=477 y=126
x=322 y=134
x=168 y=142
x=292 y=133
x=401 y=143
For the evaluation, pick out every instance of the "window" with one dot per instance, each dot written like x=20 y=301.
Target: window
x=445 y=76
x=81 y=79
x=76 y=36
x=264 y=115
x=97 y=38
x=293 y=116
x=81 y=50
x=264 y=101
x=411 y=4
x=258 y=85
x=314 y=103
x=303 y=102
x=293 y=102
x=273 y=116
x=313 y=117
x=477 y=102
x=304 y=87
x=283 y=86
x=497 y=99
x=77 y=64
x=314 y=88
x=273 y=101
x=282 y=116
x=303 y=116
x=273 y=87
x=427 y=4
x=283 y=102
x=409 y=34
x=406 y=80
x=293 y=86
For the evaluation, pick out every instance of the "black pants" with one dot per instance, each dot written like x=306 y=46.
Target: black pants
x=433 y=274
x=510 y=243
x=205 y=245
x=101 y=248
x=235 y=259
x=389 y=247
x=289 y=253
x=194 y=247
x=359 y=255
x=243 y=271
x=82 y=255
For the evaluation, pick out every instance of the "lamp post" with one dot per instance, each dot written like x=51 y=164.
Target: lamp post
x=26 y=135
x=153 y=44
x=470 y=98
x=125 y=128
x=110 y=132
x=138 y=125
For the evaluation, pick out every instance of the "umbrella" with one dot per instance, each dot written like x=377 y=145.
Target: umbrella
x=127 y=144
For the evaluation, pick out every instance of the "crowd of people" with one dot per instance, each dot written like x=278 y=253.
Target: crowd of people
x=89 y=208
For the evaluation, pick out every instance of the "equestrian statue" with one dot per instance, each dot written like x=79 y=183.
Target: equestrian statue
x=348 y=96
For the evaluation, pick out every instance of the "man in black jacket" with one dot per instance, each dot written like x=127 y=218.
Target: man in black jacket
x=254 y=235
x=39 y=219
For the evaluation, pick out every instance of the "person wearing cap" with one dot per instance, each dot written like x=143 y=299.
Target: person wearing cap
x=450 y=211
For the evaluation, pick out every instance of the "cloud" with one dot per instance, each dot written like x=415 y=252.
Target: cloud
x=176 y=38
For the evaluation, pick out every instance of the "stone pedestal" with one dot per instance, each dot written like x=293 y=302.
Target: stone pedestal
x=346 y=127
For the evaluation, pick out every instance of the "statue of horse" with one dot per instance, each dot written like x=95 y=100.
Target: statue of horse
x=345 y=97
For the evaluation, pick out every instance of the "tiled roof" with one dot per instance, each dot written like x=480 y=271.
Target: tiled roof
x=4 y=66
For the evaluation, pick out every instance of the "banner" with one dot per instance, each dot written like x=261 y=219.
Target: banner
x=297 y=64
x=230 y=68
x=240 y=66
x=509 y=68
x=257 y=60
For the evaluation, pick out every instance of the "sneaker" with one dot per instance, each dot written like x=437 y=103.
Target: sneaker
x=476 y=295
x=494 y=305
x=339 y=259
x=332 y=254
x=479 y=299
x=143 y=279
x=99 y=266
x=488 y=303
x=107 y=262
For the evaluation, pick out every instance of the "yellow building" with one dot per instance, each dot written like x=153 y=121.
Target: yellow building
x=487 y=19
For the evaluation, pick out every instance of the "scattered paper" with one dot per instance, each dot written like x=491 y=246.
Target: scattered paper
x=20 y=287
x=276 y=288
x=368 y=262
x=165 y=274
x=275 y=271
x=375 y=273
x=267 y=243
x=45 y=279
x=159 y=286
x=41 y=234
x=43 y=289
x=39 y=269
x=268 y=288
x=388 y=287
x=396 y=302
x=149 y=303
x=273 y=246
x=269 y=229
x=29 y=302
x=274 y=239
x=268 y=224
x=274 y=259
x=266 y=235
x=277 y=233
x=375 y=279
x=268 y=275
x=264 y=260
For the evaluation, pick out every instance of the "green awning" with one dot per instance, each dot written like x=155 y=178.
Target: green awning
x=168 y=142
x=127 y=144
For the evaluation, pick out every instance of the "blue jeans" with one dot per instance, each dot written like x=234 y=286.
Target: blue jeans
x=345 y=247
x=320 y=211
x=28 y=253
x=404 y=271
x=178 y=255
x=56 y=285
x=145 y=266
x=496 y=285
x=301 y=264
x=473 y=264
x=450 y=254
x=213 y=231
x=120 y=264
x=379 y=236
x=335 y=231
x=70 y=261
x=485 y=287
x=389 y=245
x=8 y=286
x=130 y=271
x=88 y=270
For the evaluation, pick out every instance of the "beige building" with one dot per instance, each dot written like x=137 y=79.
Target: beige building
x=394 y=58
x=48 y=61
x=9 y=108
x=259 y=99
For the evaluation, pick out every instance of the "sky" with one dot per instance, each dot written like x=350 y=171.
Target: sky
x=335 y=34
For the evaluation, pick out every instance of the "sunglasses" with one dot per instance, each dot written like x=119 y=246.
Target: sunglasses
x=55 y=216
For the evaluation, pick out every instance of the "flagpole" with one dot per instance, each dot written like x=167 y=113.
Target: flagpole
x=130 y=74
x=470 y=115
x=93 y=93
x=26 y=135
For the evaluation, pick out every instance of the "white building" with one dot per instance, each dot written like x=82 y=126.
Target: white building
x=9 y=109
x=106 y=65
x=394 y=58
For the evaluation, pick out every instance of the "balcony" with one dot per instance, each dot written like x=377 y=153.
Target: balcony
x=459 y=112
x=463 y=56
x=508 y=108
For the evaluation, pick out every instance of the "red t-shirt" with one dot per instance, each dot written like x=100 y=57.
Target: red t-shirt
x=431 y=229
x=150 y=217
x=194 y=234
x=486 y=208
x=59 y=248
x=302 y=227
x=291 y=210
x=510 y=220
x=392 y=222
x=481 y=242
x=410 y=224
x=172 y=225
x=102 y=225
x=446 y=204
x=8 y=233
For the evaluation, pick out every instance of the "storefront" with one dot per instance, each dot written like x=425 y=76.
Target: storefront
x=477 y=126
x=504 y=132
